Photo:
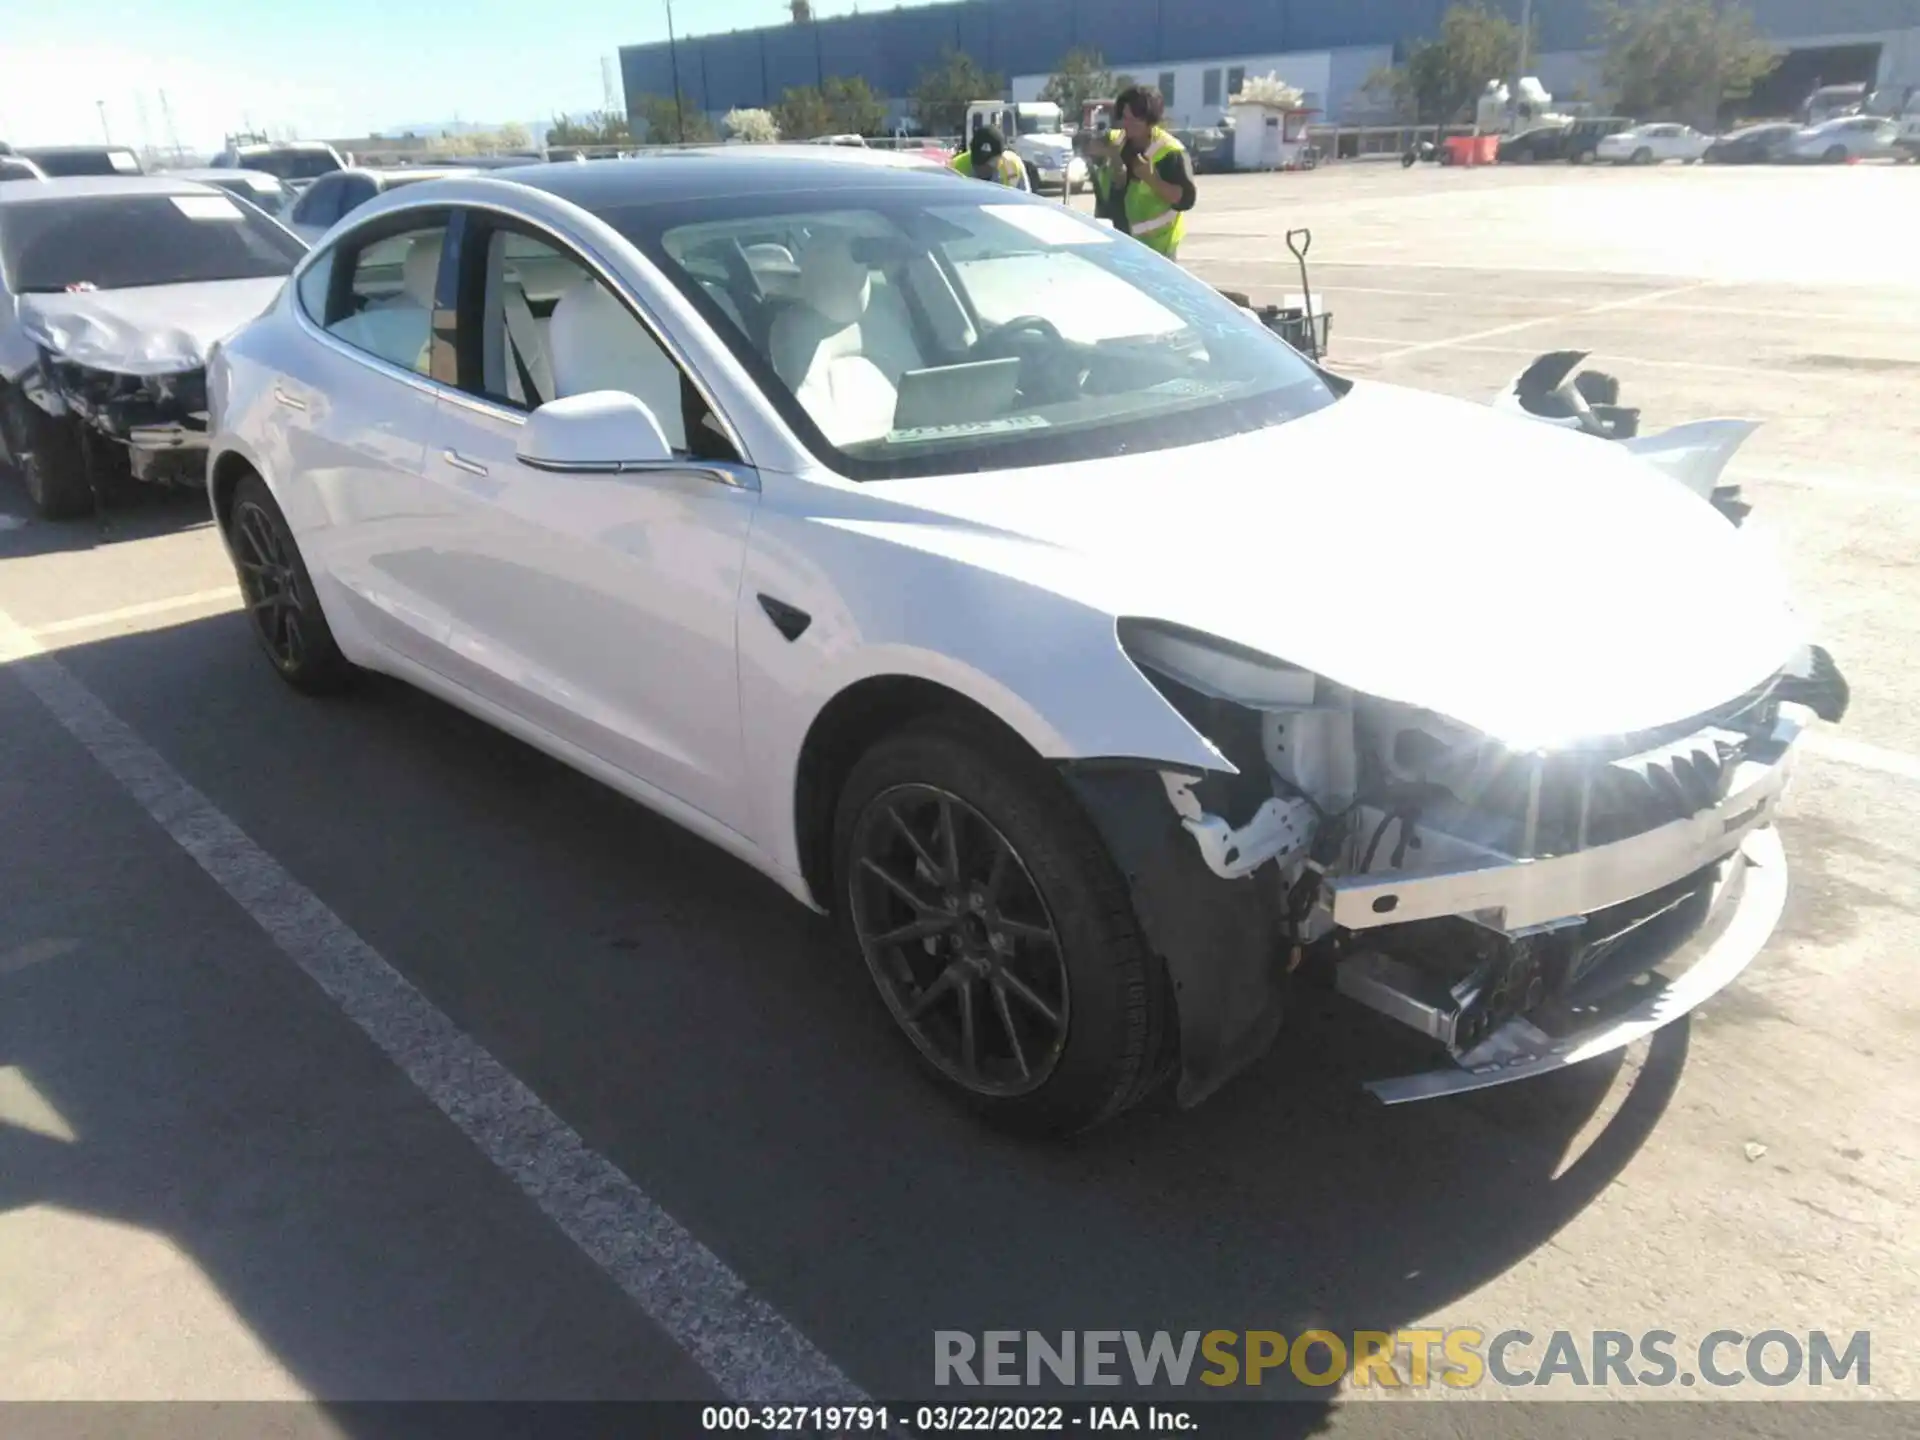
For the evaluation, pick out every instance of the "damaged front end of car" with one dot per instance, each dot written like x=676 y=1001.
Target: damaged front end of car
x=156 y=423
x=1523 y=908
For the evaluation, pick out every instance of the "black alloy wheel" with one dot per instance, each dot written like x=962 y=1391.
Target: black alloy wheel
x=959 y=940
x=285 y=613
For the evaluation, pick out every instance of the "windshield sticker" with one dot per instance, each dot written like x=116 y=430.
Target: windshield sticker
x=966 y=430
x=123 y=161
x=1050 y=224
x=206 y=207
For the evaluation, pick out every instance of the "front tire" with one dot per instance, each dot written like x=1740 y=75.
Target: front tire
x=281 y=603
x=49 y=457
x=998 y=931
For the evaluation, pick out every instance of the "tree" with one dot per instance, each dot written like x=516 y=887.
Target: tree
x=751 y=127
x=1680 y=58
x=513 y=136
x=1443 y=77
x=599 y=127
x=802 y=113
x=666 y=123
x=1083 y=75
x=942 y=94
x=854 y=108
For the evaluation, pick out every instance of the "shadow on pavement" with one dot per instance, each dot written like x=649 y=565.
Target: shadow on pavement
x=141 y=515
x=704 y=1032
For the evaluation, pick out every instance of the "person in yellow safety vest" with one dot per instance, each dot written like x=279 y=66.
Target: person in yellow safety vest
x=1154 y=187
x=1103 y=159
x=988 y=158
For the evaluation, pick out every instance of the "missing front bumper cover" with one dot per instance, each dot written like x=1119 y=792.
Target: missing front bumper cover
x=1746 y=904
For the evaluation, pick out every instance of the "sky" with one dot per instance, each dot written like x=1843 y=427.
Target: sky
x=324 y=68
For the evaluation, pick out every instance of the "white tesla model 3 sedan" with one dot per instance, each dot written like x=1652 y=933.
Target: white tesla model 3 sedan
x=991 y=583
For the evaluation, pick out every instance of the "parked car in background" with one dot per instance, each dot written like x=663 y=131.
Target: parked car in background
x=1540 y=142
x=1653 y=144
x=1753 y=145
x=18 y=167
x=1209 y=151
x=1581 y=145
x=256 y=187
x=294 y=163
x=342 y=192
x=1851 y=137
x=112 y=292
x=63 y=161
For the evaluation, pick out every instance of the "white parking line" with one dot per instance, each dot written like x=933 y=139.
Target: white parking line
x=1868 y=757
x=228 y=593
x=1630 y=303
x=750 y=1352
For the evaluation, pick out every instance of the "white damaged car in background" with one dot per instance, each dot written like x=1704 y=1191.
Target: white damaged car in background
x=112 y=293
x=1108 y=668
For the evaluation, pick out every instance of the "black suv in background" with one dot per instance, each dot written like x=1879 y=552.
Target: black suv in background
x=1584 y=136
x=1573 y=141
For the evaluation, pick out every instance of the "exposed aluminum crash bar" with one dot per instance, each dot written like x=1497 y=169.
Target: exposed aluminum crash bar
x=1747 y=905
x=1515 y=895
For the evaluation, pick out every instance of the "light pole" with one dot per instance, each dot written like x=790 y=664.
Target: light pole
x=1526 y=38
x=673 y=56
x=105 y=133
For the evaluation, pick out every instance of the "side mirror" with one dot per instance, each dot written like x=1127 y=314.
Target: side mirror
x=602 y=432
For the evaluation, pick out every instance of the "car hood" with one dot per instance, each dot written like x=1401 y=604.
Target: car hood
x=1537 y=584
x=149 y=330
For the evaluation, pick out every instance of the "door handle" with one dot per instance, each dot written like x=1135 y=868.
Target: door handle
x=292 y=402
x=460 y=462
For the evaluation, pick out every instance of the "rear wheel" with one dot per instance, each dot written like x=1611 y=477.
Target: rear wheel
x=49 y=457
x=998 y=931
x=1643 y=156
x=285 y=612
x=1836 y=155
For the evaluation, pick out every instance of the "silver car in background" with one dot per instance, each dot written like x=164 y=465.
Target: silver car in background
x=1851 y=137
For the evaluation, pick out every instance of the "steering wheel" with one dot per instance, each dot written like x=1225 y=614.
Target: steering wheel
x=1043 y=380
x=1018 y=325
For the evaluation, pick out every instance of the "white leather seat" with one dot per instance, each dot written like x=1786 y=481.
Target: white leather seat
x=594 y=343
x=397 y=328
x=421 y=268
x=844 y=347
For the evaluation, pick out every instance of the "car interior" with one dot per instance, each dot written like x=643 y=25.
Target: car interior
x=844 y=308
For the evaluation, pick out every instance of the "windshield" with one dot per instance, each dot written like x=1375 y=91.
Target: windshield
x=1042 y=123
x=913 y=334
x=118 y=242
x=290 y=164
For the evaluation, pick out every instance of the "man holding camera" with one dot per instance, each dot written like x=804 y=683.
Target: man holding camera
x=1145 y=185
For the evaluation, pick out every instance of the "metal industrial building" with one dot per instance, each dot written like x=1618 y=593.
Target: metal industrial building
x=1325 y=47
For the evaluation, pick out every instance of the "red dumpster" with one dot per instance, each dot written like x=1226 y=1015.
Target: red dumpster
x=1472 y=149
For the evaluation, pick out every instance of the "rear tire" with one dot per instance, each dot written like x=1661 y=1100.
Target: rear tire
x=1643 y=156
x=281 y=604
x=1836 y=155
x=49 y=457
x=972 y=884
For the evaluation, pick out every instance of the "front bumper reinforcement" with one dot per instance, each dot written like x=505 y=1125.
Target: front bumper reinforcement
x=1747 y=902
x=1515 y=895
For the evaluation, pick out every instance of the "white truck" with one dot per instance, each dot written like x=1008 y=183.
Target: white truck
x=1034 y=132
